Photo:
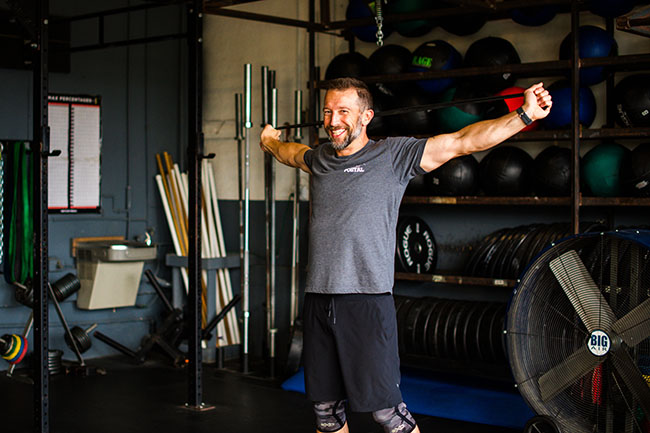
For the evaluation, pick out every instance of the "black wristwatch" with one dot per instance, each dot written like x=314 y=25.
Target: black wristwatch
x=523 y=116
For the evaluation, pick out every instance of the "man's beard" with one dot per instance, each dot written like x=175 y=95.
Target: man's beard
x=351 y=136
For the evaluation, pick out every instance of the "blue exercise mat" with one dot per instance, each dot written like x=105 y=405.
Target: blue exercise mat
x=453 y=400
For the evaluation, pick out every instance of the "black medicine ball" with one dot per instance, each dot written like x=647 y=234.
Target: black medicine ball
x=493 y=51
x=635 y=171
x=353 y=65
x=505 y=171
x=551 y=175
x=456 y=177
x=632 y=99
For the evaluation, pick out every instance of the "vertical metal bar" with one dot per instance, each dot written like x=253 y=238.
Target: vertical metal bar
x=325 y=12
x=313 y=91
x=295 y=275
x=575 y=119
x=609 y=83
x=194 y=152
x=272 y=223
x=265 y=97
x=246 y=271
x=40 y=150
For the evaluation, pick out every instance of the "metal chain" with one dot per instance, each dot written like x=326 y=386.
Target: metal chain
x=379 y=19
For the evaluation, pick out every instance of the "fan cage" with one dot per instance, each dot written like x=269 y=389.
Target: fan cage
x=543 y=329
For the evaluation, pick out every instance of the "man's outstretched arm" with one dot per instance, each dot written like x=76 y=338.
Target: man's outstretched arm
x=287 y=153
x=485 y=134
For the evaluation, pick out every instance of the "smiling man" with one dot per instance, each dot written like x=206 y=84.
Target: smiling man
x=350 y=349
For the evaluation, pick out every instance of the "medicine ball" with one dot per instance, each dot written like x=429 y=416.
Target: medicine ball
x=560 y=115
x=594 y=42
x=632 y=99
x=415 y=122
x=353 y=64
x=391 y=59
x=601 y=169
x=417 y=186
x=493 y=51
x=551 y=175
x=611 y=8
x=435 y=55
x=378 y=126
x=414 y=28
x=451 y=119
x=636 y=171
x=505 y=106
x=365 y=9
x=505 y=171
x=463 y=25
x=534 y=16
x=456 y=177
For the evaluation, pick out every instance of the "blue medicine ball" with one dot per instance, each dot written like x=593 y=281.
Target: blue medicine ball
x=365 y=9
x=560 y=115
x=535 y=16
x=594 y=42
x=611 y=8
x=435 y=55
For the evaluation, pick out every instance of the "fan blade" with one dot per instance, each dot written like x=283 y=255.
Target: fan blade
x=554 y=381
x=592 y=308
x=634 y=327
x=629 y=372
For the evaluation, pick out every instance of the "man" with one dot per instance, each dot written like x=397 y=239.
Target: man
x=350 y=330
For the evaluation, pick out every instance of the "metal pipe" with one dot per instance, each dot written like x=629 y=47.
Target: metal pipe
x=57 y=307
x=265 y=93
x=246 y=270
x=272 y=239
x=295 y=277
x=575 y=118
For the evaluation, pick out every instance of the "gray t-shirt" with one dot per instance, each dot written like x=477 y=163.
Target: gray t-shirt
x=355 y=203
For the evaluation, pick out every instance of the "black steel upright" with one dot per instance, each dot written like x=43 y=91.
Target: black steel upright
x=40 y=151
x=575 y=117
x=194 y=155
x=312 y=115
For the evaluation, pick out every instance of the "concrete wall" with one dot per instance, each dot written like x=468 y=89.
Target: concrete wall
x=142 y=94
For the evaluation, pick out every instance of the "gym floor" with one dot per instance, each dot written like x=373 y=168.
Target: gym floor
x=150 y=398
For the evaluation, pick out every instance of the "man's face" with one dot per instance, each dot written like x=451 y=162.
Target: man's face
x=342 y=117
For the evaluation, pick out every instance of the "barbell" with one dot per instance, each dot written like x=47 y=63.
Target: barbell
x=415 y=108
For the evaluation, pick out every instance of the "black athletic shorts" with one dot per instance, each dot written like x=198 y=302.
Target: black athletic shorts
x=350 y=350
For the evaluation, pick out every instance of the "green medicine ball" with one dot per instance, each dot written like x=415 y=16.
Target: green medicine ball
x=451 y=119
x=601 y=169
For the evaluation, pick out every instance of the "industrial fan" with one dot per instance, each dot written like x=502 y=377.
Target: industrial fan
x=577 y=332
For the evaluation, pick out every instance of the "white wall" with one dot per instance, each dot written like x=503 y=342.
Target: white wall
x=229 y=43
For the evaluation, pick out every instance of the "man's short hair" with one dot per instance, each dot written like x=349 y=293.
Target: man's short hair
x=365 y=98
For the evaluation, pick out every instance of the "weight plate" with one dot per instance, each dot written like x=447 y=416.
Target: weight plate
x=501 y=250
x=401 y=322
x=448 y=331
x=469 y=348
x=435 y=337
x=417 y=251
x=484 y=260
x=410 y=326
x=457 y=331
x=479 y=250
x=483 y=351
x=419 y=335
x=496 y=332
x=511 y=265
x=430 y=325
x=21 y=355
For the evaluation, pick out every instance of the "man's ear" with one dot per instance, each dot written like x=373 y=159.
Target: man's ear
x=367 y=116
